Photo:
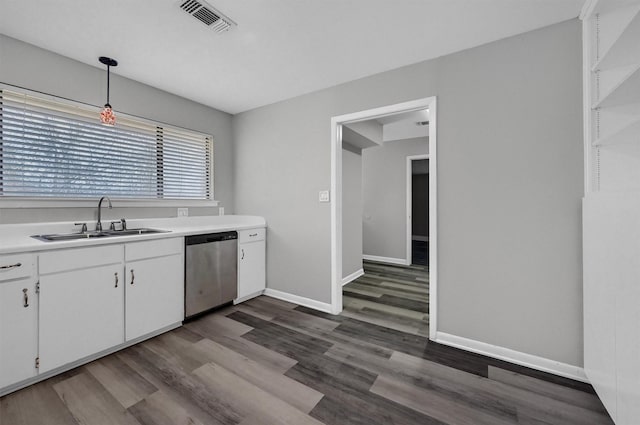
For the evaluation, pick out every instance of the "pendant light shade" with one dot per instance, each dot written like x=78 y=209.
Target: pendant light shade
x=107 y=116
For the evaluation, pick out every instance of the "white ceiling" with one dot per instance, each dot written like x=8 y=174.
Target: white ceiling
x=280 y=48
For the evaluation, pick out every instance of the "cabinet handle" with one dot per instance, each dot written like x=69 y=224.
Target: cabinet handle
x=251 y=235
x=133 y=277
x=10 y=266
x=116 y=275
x=242 y=254
x=26 y=297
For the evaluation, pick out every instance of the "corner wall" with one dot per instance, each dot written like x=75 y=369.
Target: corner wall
x=33 y=68
x=510 y=180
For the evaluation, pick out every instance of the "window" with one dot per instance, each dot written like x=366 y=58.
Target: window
x=55 y=149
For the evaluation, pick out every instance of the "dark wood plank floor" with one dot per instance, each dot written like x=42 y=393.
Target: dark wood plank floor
x=396 y=297
x=270 y=362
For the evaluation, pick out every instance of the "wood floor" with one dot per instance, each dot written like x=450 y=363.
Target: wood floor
x=270 y=362
x=396 y=297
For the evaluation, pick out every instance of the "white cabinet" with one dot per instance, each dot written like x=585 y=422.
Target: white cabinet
x=18 y=319
x=251 y=263
x=154 y=286
x=81 y=310
x=612 y=302
x=611 y=51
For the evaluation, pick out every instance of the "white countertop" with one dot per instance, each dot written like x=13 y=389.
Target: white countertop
x=15 y=238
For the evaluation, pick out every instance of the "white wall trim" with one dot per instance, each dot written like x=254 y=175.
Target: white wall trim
x=523 y=359
x=409 y=189
x=390 y=260
x=336 y=204
x=353 y=276
x=296 y=299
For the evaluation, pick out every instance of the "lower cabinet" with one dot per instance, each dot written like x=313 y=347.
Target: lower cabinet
x=81 y=313
x=155 y=287
x=97 y=298
x=612 y=303
x=18 y=319
x=251 y=263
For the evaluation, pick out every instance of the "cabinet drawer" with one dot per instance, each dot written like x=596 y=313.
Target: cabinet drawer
x=73 y=259
x=16 y=266
x=251 y=235
x=156 y=248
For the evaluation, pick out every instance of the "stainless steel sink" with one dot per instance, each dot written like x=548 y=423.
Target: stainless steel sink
x=57 y=237
x=129 y=232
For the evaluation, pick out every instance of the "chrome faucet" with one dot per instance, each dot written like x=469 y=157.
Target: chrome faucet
x=99 y=223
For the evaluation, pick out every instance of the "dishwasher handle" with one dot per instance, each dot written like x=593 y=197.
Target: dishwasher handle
x=211 y=238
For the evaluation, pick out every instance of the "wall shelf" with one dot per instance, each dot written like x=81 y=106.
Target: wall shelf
x=605 y=6
x=626 y=134
x=625 y=92
x=625 y=50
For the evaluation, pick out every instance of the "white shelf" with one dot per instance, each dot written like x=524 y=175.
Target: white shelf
x=625 y=92
x=625 y=50
x=604 y=6
x=628 y=133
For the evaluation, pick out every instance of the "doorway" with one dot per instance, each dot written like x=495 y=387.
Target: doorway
x=418 y=210
x=336 y=206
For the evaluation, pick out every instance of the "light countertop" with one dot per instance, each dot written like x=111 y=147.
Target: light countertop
x=16 y=238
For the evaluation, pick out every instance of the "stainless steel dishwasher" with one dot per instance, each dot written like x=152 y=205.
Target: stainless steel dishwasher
x=211 y=271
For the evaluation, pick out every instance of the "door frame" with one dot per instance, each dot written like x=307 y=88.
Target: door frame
x=336 y=205
x=409 y=214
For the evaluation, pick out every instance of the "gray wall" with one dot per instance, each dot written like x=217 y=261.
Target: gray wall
x=351 y=212
x=509 y=186
x=384 y=196
x=33 y=68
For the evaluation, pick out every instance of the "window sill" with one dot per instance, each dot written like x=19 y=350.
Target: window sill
x=92 y=203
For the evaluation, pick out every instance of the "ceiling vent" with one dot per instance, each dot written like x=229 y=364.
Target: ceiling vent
x=207 y=15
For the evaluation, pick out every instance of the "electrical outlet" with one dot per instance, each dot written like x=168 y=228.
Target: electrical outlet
x=323 y=196
x=220 y=210
x=183 y=212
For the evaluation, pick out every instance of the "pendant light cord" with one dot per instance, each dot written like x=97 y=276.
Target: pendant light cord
x=108 y=73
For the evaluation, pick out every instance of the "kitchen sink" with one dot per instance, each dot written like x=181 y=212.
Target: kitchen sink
x=57 y=237
x=129 y=232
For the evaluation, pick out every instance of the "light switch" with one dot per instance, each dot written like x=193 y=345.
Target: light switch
x=323 y=196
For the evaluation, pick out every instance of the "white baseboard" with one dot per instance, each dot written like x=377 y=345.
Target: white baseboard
x=512 y=356
x=353 y=276
x=296 y=299
x=400 y=261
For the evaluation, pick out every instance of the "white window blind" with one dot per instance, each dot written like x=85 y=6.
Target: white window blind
x=50 y=148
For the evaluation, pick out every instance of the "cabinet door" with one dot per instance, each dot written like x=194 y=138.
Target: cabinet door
x=155 y=294
x=251 y=268
x=81 y=313
x=18 y=331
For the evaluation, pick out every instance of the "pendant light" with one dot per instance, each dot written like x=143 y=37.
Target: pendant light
x=107 y=117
